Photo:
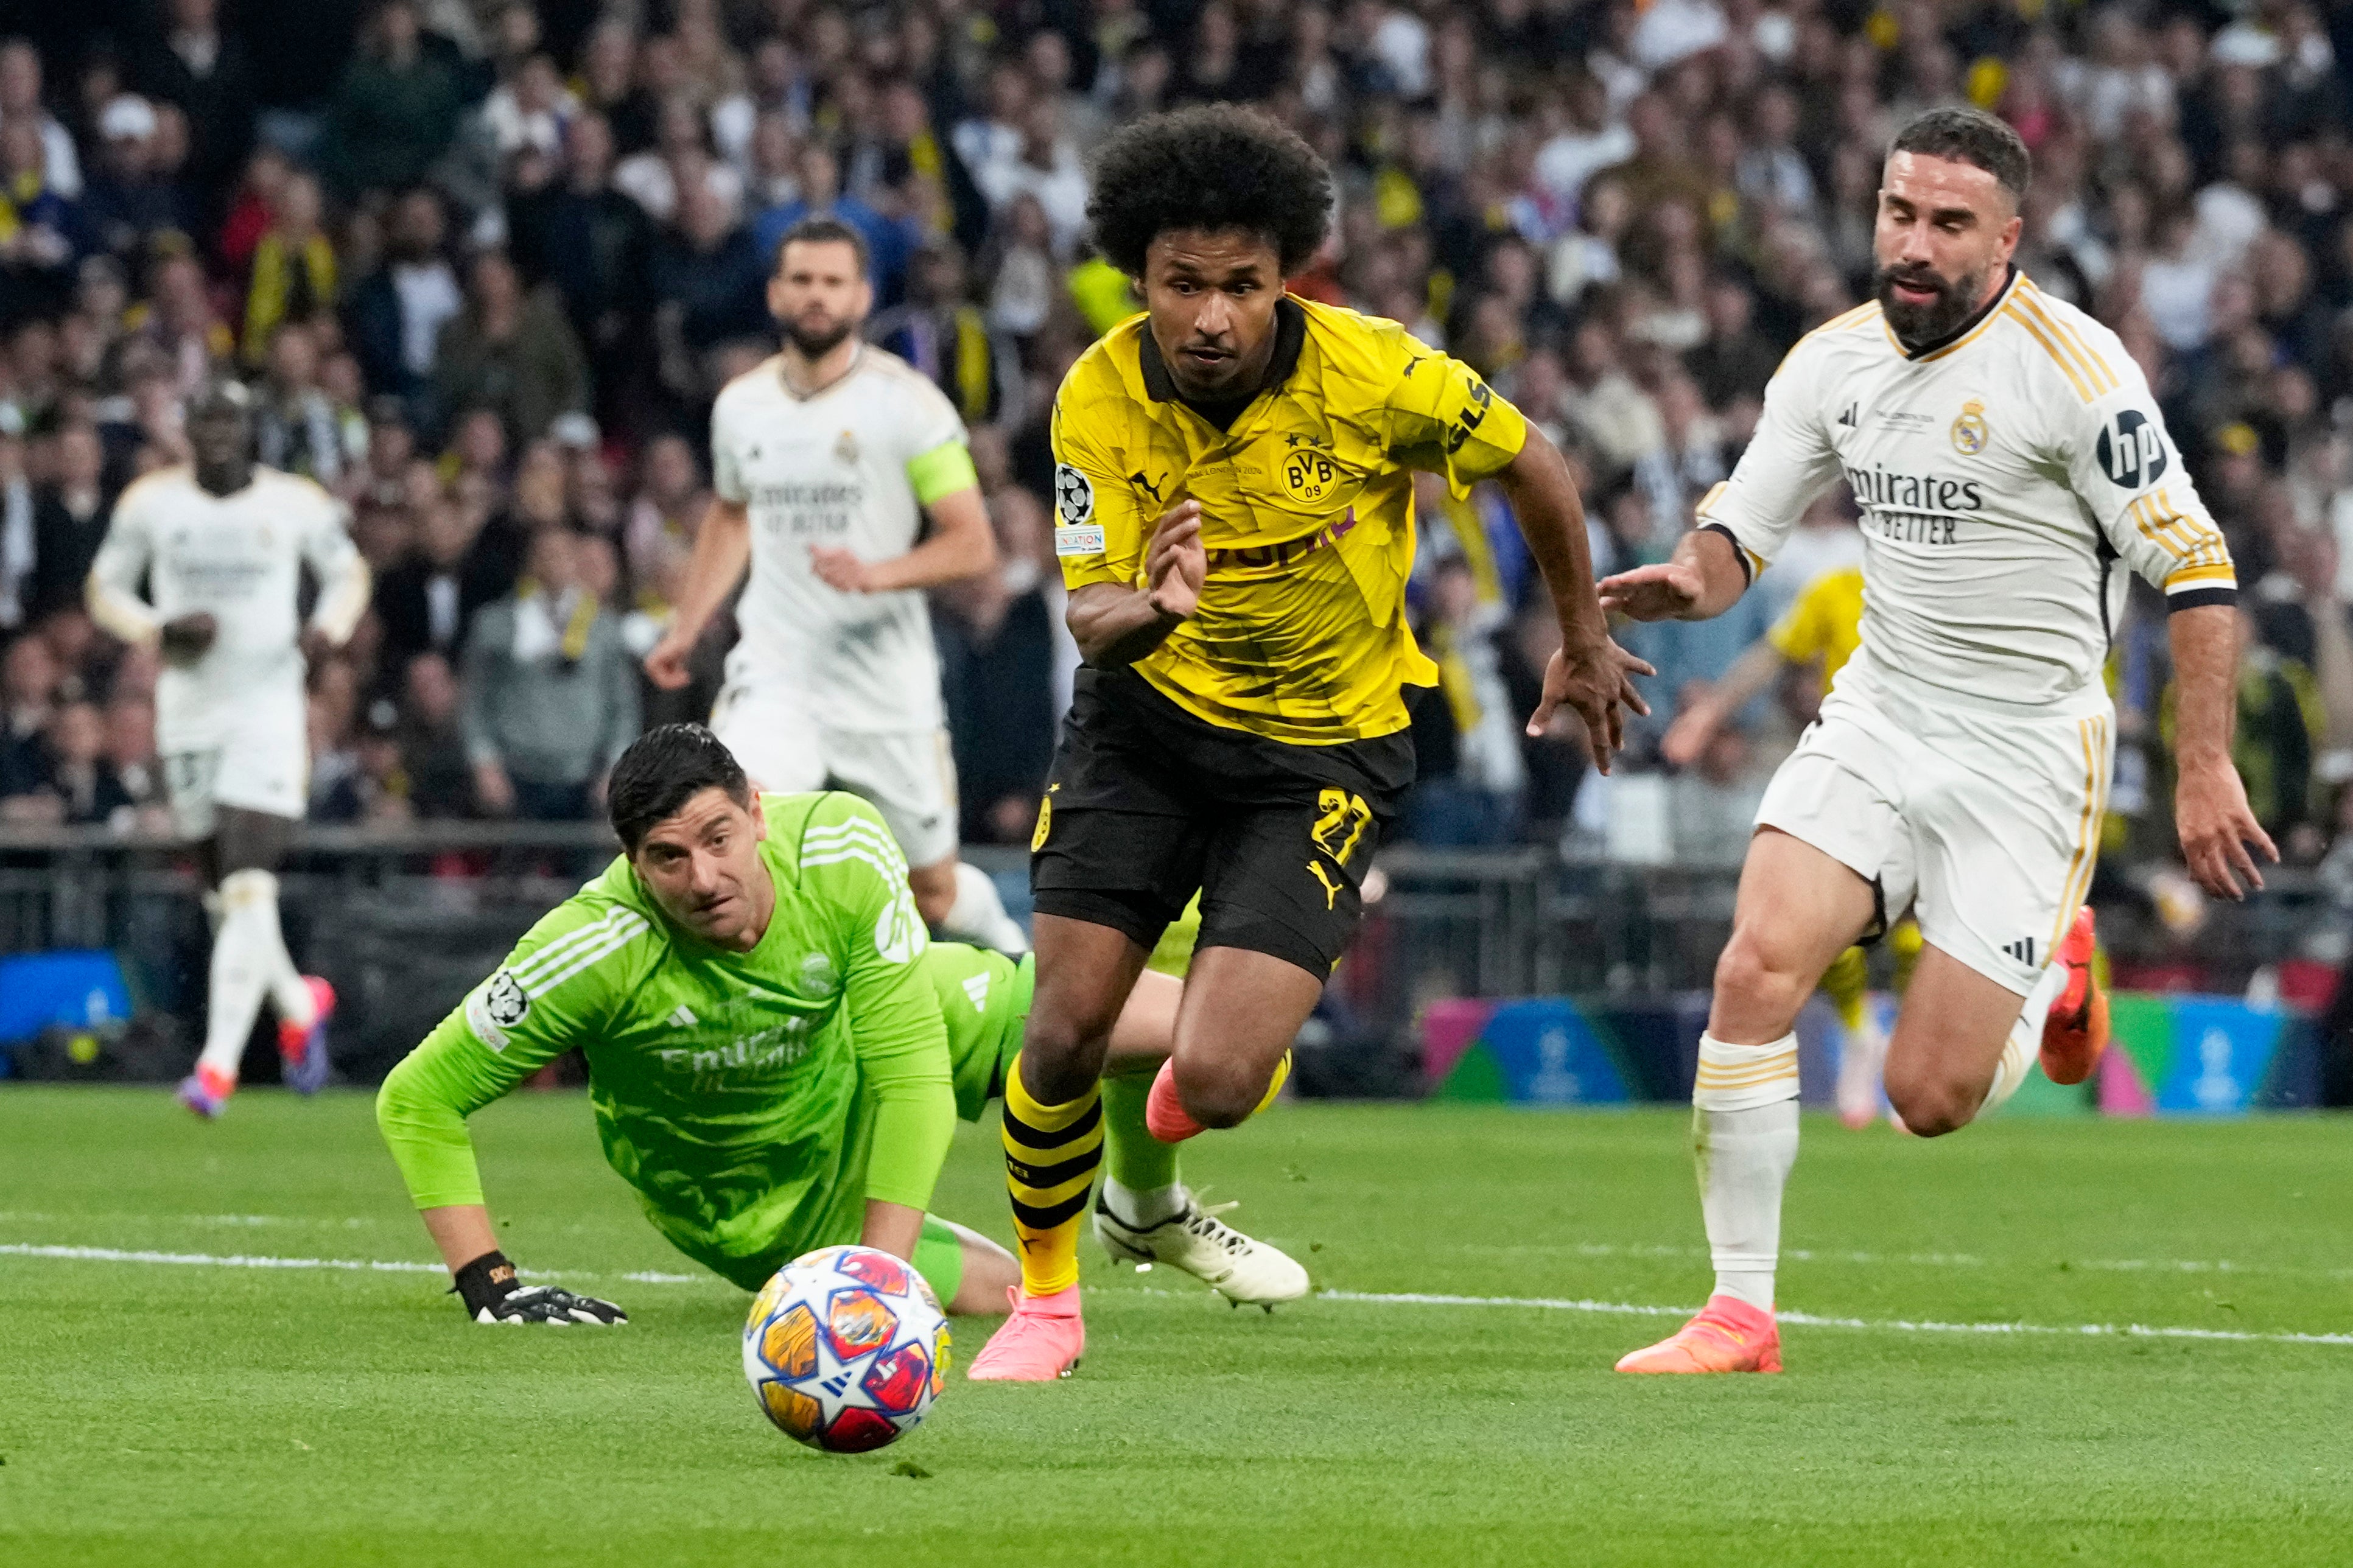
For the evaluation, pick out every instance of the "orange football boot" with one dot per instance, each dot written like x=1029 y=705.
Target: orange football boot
x=1728 y=1336
x=1042 y=1341
x=2075 y=1031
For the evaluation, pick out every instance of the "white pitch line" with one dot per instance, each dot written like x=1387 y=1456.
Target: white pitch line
x=1812 y=1321
x=348 y=1265
x=1392 y=1298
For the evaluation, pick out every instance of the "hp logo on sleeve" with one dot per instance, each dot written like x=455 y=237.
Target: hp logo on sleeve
x=2132 y=450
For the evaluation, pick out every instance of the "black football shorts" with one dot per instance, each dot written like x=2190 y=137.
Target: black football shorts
x=1148 y=804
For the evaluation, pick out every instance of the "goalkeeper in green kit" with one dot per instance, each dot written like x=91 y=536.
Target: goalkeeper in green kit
x=777 y=1056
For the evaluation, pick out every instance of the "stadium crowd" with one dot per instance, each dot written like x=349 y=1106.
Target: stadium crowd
x=488 y=279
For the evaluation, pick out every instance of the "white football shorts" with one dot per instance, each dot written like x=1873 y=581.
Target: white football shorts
x=909 y=774
x=1986 y=826
x=261 y=767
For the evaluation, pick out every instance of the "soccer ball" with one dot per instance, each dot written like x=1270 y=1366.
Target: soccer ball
x=845 y=1349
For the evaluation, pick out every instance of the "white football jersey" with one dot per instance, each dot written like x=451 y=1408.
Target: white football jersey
x=241 y=558
x=832 y=469
x=2002 y=477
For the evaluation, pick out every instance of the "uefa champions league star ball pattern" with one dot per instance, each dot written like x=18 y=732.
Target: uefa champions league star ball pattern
x=845 y=1349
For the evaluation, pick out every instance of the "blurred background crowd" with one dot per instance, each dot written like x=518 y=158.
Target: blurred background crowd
x=487 y=264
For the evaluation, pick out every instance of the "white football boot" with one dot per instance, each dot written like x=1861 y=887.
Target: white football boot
x=1196 y=1241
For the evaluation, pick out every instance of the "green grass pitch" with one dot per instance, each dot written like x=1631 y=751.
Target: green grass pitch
x=159 y=1413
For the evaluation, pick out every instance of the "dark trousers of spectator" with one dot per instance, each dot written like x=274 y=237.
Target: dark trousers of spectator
x=537 y=802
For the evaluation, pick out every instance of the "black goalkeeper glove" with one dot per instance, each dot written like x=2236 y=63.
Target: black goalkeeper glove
x=491 y=1294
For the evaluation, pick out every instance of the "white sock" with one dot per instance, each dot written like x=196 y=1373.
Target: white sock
x=241 y=968
x=1745 y=1131
x=978 y=914
x=1145 y=1208
x=2024 y=1046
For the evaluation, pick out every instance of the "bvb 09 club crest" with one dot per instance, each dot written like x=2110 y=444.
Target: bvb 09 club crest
x=1969 y=433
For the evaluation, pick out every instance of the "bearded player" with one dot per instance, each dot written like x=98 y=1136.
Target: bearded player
x=2007 y=456
x=826 y=461
x=1234 y=496
x=776 y=1054
x=221 y=543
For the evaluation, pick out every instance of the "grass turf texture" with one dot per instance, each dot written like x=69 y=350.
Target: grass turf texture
x=202 y=1414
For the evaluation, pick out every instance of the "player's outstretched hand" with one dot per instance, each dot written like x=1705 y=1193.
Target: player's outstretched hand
x=487 y=1288
x=840 y=570
x=2216 y=824
x=1669 y=591
x=1597 y=683
x=549 y=1304
x=186 y=639
x=1175 y=565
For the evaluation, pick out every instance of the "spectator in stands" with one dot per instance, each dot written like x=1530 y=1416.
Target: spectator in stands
x=292 y=276
x=132 y=203
x=131 y=753
x=942 y=333
x=595 y=244
x=510 y=351
x=41 y=228
x=296 y=427
x=397 y=315
x=207 y=74
x=427 y=602
x=69 y=515
x=711 y=276
x=80 y=778
x=821 y=196
x=550 y=694
x=395 y=110
x=180 y=322
x=29 y=686
x=21 y=78
x=432 y=741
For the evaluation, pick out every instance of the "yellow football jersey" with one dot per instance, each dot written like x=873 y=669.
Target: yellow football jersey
x=1825 y=623
x=1307 y=512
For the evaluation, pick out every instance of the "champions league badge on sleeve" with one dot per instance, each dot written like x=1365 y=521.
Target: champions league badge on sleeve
x=1075 y=531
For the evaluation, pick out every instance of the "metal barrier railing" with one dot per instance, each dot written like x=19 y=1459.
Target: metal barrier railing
x=405 y=919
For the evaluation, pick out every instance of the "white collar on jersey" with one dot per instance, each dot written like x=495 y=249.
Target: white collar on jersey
x=857 y=358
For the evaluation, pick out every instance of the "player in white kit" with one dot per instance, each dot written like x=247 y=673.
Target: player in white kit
x=222 y=543
x=2008 y=459
x=824 y=460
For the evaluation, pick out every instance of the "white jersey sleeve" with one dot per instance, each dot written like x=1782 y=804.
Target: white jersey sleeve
x=726 y=450
x=2123 y=468
x=112 y=591
x=343 y=578
x=1790 y=460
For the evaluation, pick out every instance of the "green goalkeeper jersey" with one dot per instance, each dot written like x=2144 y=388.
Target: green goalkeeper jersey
x=754 y=1100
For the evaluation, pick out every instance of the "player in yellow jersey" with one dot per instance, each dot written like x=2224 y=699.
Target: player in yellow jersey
x=1823 y=626
x=1234 y=512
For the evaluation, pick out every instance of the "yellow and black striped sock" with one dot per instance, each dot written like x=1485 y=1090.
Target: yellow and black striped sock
x=1050 y=1155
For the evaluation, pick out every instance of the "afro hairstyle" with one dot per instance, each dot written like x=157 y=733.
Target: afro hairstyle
x=1212 y=166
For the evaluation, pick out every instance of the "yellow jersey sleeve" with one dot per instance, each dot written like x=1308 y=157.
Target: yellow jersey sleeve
x=1100 y=527
x=1799 y=635
x=1825 y=623
x=1444 y=420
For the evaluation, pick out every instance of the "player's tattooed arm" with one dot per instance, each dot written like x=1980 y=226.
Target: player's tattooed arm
x=1116 y=626
x=2210 y=804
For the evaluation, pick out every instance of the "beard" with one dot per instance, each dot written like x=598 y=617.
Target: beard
x=1914 y=324
x=816 y=342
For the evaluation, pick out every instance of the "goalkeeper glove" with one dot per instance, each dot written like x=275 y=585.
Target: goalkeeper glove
x=491 y=1293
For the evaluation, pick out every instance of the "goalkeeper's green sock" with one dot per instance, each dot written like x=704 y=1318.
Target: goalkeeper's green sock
x=1140 y=1182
